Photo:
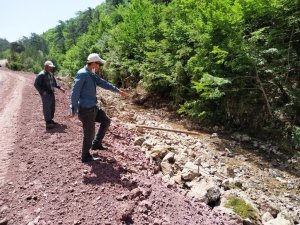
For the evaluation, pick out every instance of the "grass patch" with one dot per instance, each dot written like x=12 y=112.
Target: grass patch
x=241 y=208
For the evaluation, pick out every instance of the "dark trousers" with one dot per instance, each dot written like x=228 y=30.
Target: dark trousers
x=48 y=106
x=89 y=117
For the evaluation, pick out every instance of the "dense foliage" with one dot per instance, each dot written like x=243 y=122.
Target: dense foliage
x=232 y=63
x=4 y=48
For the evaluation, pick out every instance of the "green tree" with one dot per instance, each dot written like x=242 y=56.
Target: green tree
x=4 y=46
x=128 y=38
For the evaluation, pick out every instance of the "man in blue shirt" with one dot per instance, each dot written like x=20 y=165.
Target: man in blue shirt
x=45 y=83
x=84 y=101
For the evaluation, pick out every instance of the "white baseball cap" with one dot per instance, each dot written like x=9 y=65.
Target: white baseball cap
x=94 y=57
x=49 y=63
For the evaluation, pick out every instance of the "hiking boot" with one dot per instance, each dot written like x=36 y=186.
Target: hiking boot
x=89 y=159
x=53 y=122
x=99 y=146
x=49 y=125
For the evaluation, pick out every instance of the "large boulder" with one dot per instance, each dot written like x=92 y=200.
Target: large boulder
x=206 y=190
x=190 y=171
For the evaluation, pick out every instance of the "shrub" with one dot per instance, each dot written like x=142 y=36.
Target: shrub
x=15 y=66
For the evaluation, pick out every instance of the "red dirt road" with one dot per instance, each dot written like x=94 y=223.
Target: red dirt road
x=42 y=179
x=10 y=96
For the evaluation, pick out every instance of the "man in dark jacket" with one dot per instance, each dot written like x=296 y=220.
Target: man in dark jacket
x=45 y=83
x=84 y=101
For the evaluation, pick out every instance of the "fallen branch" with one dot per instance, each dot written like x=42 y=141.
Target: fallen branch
x=171 y=130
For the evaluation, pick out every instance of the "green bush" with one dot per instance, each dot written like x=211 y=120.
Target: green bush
x=15 y=66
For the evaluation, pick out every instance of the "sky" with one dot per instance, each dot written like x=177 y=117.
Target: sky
x=19 y=18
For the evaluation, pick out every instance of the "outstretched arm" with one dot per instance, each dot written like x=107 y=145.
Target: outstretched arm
x=108 y=86
x=105 y=84
x=58 y=86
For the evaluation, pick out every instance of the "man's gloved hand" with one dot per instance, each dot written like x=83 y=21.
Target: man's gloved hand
x=123 y=93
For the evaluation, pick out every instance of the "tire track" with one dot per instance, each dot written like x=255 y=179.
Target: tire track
x=5 y=88
x=11 y=102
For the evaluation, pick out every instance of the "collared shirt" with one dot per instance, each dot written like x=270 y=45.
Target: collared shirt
x=51 y=81
x=45 y=82
x=83 y=92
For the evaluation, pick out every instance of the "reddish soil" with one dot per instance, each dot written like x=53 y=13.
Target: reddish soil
x=43 y=180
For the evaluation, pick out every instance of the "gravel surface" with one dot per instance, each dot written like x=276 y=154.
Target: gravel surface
x=43 y=180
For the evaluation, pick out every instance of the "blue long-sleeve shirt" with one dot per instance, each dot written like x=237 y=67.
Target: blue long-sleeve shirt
x=83 y=92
